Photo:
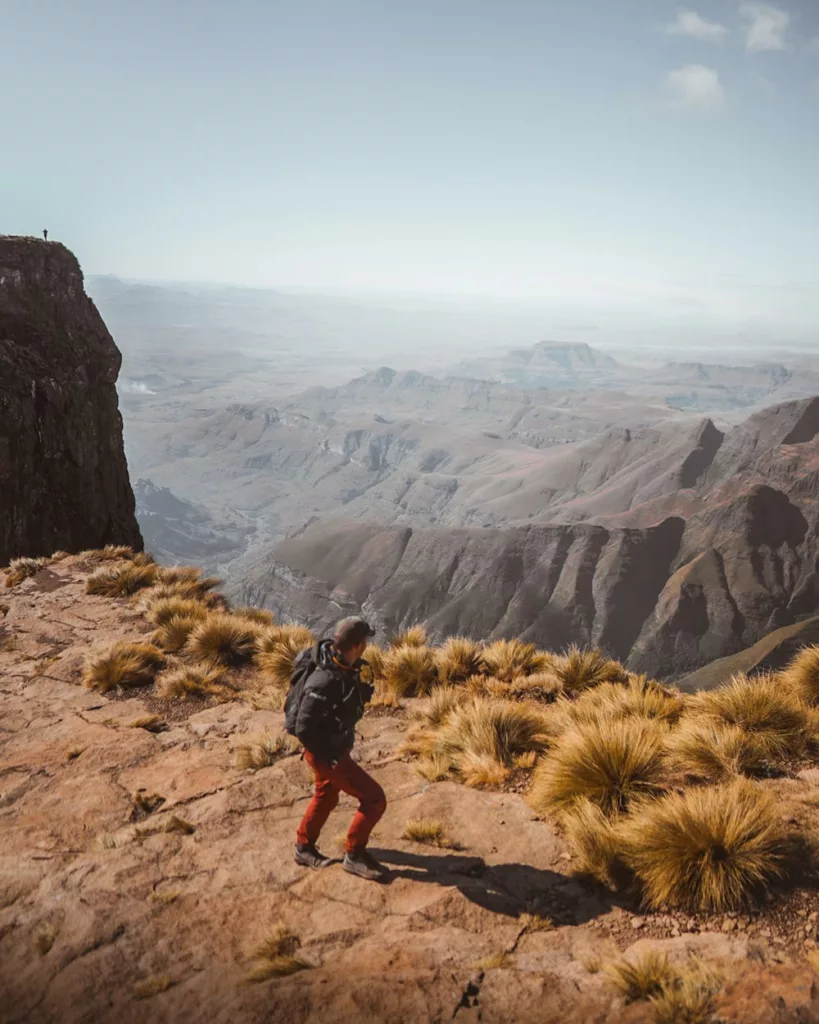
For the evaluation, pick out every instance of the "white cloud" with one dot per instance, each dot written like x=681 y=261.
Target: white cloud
x=689 y=23
x=765 y=27
x=696 y=87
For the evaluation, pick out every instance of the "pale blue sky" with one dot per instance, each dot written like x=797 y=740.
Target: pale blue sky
x=651 y=151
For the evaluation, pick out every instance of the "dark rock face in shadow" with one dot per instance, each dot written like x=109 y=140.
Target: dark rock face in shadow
x=63 y=475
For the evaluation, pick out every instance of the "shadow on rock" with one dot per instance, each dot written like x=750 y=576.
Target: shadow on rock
x=507 y=889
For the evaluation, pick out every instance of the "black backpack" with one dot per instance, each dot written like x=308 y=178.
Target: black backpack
x=303 y=667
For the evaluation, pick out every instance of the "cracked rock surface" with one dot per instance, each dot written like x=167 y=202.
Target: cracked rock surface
x=98 y=901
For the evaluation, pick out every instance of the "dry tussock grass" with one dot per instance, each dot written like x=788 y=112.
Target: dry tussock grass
x=415 y=636
x=505 y=660
x=151 y=723
x=159 y=610
x=173 y=635
x=409 y=670
x=802 y=674
x=260 y=615
x=596 y=844
x=265 y=749
x=120 y=581
x=610 y=763
x=185 y=681
x=374 y=656
x=276 y=650
x=707 y=849
x=434 y=767
x=644 y=975
x=275 y=956
x=123 y=665
x=110 y=553
x=426 y=832
x=188 y=578
x=222 y=640
x=580 y=669
x=713 y=751
x=762 y=707
x=689 y=999
x=20 y=569
x=480 y=738
x=74 y=752
x=180 y=825
x=457 y=659
x=640 y=698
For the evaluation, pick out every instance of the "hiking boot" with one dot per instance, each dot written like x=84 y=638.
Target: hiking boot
x=366 y=866
x=309 y=857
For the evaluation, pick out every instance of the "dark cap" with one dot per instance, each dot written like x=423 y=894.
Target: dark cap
x=351 y=632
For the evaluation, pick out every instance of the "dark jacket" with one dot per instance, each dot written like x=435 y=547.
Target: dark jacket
x=332 y=705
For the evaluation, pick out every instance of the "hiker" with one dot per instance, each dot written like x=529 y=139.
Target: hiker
x=45 y=234
x=325 y=701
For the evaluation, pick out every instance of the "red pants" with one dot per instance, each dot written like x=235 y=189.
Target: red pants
x=346 y=777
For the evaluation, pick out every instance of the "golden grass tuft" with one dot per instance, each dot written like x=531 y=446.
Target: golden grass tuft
x=690 y=999
x=374 y=656
x=409 y=670
x=260 y=615
x=160 y=610
x=120 y=581
x=609 y=763
x=45 y=937
x=59 y=556
x=276 y=650
x=535 y=922
x=802 y=674
x=152 y=986
x=110 y=553
x=505 y=660
x=772 y=713
x=415 y=636
x=220 y=639
x=457 y=659
x=124 y=665
x=187 y=578
x=191 y=681
x=710 y=750
x=426 y=832
x=543 y=687
x=596 y=844
x=434 y=767
x=480 y=738
x=20 y=569
x=580 y=669
x=707 y=849
x=151 y=723
x=275 y=957
x=647 y=974
x=74 y=752
x=265 y=749
x=173 y=635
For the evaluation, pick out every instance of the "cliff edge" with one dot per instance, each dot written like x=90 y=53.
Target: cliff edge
x=63 y=475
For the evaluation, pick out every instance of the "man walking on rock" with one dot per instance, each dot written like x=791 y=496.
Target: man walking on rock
x=324 y=704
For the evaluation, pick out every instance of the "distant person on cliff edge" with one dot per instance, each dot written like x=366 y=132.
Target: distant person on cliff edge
x=45 y=234
x=325 y=702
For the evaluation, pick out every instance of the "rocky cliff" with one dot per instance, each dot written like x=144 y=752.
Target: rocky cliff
x=63 y=476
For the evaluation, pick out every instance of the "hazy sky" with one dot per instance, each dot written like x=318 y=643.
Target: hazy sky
x=635 y=150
